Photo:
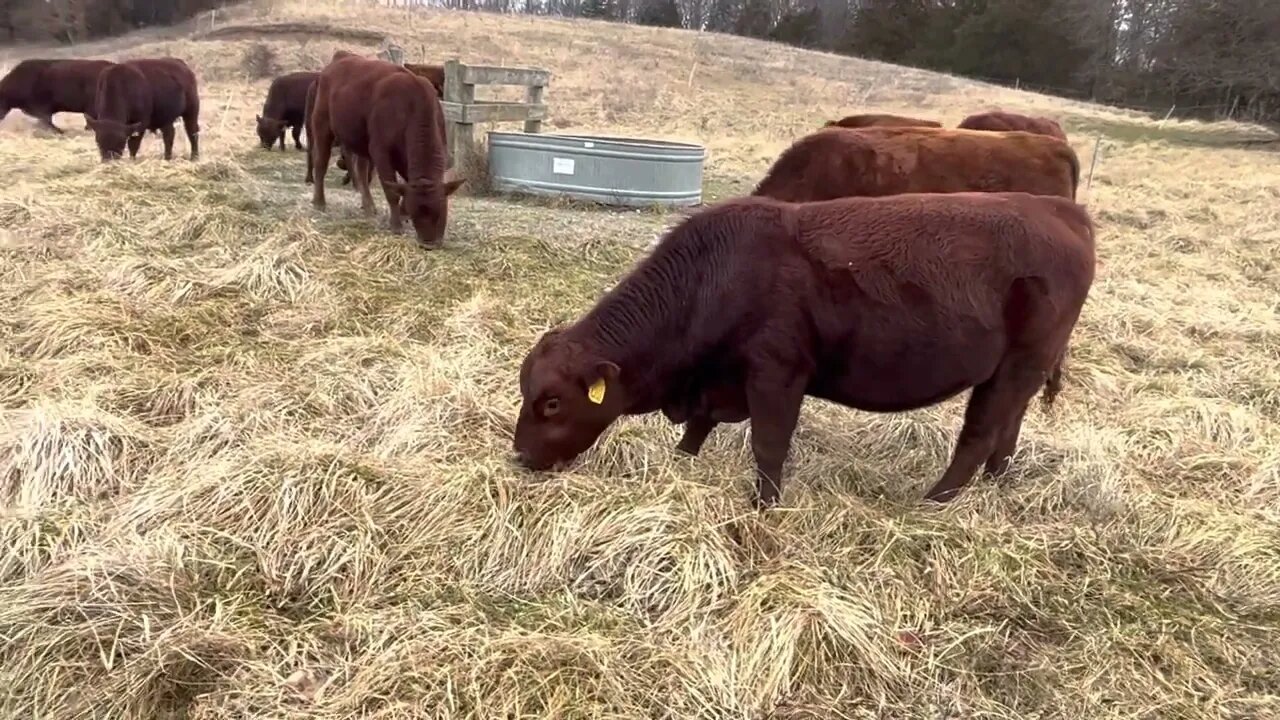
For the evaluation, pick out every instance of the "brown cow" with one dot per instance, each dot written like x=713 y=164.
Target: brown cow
x=880 y=304
x=880 y=120
x=382 y=113
x=41 y=88
x=285 y=108
x=433 y=73
x=998 y=120
x=147 y=94
x=839 y=162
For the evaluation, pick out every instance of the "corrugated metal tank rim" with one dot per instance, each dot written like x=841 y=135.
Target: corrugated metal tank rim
x=608 y=169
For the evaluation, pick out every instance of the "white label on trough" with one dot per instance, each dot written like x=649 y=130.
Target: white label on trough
x=562 y=166
x=588 y=144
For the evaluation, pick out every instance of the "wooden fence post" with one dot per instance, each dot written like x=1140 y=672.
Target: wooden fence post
x=458 y=135
x=533 y=96
x=462 y=111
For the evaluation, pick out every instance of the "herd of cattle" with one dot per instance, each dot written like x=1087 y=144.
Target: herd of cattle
x=883 y=263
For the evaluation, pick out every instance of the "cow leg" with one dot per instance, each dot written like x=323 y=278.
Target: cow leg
x=381 y=160
x=280 y=139
x=321 y=147
x=135 y=142
x=46 y=120
x=696 y=431
x=166 y=134
x=361 y=169
x=991 y=422
x=1002 y=457
x=297 y=137
x=774 y=397
x=191 y=123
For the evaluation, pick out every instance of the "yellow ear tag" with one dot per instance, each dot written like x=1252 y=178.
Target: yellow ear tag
x=595 y=393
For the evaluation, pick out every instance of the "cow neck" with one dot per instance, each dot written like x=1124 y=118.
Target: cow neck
x=646 y=324
x=424 y=158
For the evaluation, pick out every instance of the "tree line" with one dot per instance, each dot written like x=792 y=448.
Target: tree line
x=73 y=21
x=1203 y=58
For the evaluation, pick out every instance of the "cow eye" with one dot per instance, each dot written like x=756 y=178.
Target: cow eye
x=551 y=407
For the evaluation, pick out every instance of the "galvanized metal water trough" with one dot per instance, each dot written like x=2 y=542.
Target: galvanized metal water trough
x=631 y=172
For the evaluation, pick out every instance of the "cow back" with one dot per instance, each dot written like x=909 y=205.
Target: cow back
x=345 y=96
x=999 y=121
x=58 y=85
x=881 y=120
x=124 y=95
x=287 y=96
x=839 y=162
x=173 y=88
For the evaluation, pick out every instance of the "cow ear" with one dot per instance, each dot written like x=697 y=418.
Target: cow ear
x=453 y=185
x=90 y=123
x=398 y=187
x=258 y=118
x=604 y=376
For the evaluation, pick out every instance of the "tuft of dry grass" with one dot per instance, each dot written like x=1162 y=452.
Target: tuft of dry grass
x=253 y=457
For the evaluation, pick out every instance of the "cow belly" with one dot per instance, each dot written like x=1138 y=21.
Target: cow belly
x=897 y=374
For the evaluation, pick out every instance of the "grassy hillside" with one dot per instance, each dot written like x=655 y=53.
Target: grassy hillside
x=254 y=458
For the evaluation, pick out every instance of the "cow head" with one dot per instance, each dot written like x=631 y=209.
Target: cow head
x=427 y=205
x=569 y=395
x=269 y=131
x=112 y=136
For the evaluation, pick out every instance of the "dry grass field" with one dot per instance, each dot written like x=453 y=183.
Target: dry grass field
x=254 y=458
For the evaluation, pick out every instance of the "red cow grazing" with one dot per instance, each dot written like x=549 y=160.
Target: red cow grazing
x=41 y=88
x=381 y=113
x=285 y=108
x=1004 y=121
x=148 y=94
x=880 y=304
x=839 y=162
x=880 y=120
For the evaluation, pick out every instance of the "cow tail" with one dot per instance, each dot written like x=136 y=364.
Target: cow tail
x=1053 y=383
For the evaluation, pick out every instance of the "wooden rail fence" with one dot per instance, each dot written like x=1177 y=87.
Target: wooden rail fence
x=462 y=111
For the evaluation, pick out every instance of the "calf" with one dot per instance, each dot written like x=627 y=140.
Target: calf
x=839 y=162
x=147 y=94
x=880 y=120
x=285 y=108
x=41 y=88
x=381 y=113
x=880 y=304
x=1000 y=121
